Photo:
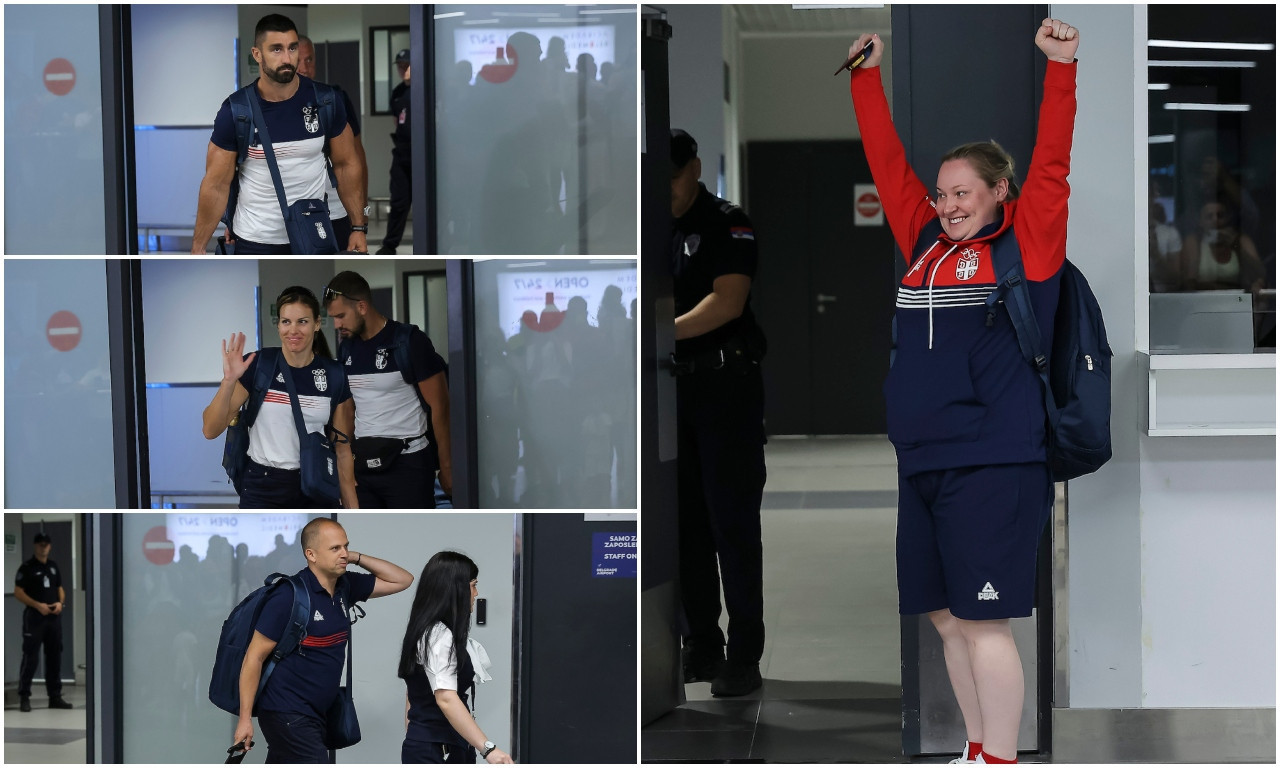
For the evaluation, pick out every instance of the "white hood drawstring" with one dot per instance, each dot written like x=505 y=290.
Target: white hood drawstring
x=931 y=276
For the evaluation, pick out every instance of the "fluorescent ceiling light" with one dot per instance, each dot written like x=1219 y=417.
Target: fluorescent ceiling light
x=1191 y=107
x=1164 y=138
x=450 y=15
x=481 y=21
x=1205 y=64
x=1157 y=86
x=1203 y=45
x=614 y=10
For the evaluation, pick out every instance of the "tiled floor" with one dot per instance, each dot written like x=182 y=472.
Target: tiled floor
x=44 y=735
x=831 y=659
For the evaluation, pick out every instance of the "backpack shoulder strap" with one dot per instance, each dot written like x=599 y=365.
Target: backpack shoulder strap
x=242 y=118
x=267 y=360
x=333 y=370
x=326 y=97
x=405 y=362
x=1012 y=291
x=295 y=628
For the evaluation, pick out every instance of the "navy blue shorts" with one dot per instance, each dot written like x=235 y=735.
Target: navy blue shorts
x=967 y=539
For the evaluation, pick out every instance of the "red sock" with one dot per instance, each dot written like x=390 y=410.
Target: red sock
x=974 y=748
x=992 y=759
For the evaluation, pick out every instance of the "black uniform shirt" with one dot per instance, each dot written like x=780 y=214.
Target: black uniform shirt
x=39 y=580
x=713 y=238
x=400 y=111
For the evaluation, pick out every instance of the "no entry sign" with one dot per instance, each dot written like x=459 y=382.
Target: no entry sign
x=157 y=547
x=867 y=209
x=63 y=331
x=59 y=77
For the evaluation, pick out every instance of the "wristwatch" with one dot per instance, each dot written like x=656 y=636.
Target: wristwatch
x=360 y=228
x=489 y=746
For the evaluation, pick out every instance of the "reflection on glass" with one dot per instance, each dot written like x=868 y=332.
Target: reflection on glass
x=1212 y=170
x=555 y=384
x=536 y=129
x=183 y=573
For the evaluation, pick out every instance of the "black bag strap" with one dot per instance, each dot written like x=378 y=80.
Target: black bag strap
x=268 y=152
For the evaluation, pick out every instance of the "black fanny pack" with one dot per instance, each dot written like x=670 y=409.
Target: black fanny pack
x=378 y=454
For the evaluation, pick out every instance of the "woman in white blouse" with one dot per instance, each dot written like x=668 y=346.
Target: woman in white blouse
x=439 y=727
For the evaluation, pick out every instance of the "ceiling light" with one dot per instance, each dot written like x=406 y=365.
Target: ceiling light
x=1191 y=107
x=1157 y=86
x=1164 y=138
x=439 y=16
x=1205 y=64
x=1211 y=45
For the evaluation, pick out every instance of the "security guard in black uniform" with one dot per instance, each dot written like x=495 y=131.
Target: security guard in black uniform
x=38 y=586
x=401 y=172
x=720 y=415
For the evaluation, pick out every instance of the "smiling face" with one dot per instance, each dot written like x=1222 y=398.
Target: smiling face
x=297 y=326
x=965 y=202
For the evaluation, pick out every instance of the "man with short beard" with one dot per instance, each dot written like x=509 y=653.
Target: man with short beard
x=292 y=114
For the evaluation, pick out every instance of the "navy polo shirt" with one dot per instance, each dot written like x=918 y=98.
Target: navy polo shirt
x=306 y=682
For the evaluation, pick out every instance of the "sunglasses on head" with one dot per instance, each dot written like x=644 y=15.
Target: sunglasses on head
x=330 y=294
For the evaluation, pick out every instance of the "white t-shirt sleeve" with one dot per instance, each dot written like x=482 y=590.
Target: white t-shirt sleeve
x=436 y=655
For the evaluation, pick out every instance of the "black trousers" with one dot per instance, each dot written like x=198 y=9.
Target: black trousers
x=272 y=488
x=412 y=751
x=293 y=738
x=401 y=199
x=410 y=483
x=41 y=632
x=721 y=470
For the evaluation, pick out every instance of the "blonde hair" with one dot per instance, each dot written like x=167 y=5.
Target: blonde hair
x=989 y=160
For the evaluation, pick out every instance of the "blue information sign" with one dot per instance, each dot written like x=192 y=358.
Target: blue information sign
x=613 y=555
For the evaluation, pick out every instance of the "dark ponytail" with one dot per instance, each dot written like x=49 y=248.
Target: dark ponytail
x=444 y=595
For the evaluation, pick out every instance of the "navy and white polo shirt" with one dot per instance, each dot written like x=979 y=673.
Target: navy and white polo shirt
x=298 y=142
x=306 y=682
x=385 y=405
x=273 y=438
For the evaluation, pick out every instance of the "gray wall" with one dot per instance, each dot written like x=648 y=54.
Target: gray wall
x=409 y=540
x=1173 y=526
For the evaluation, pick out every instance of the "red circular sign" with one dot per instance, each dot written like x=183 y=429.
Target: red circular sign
x=501 y=73
x=63 y=331
x=157 y=547
x=59 y=77
x=868 y=204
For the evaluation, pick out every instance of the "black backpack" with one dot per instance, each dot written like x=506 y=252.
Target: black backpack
x=1075 y=375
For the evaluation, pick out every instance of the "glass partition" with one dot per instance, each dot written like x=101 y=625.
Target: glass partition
x=536 y=129
x=556 y=383
x=1211 y=149
x=58 y=437
x=53 y=181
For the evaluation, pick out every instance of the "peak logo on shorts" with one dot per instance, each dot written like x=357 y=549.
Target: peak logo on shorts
x=988 y=593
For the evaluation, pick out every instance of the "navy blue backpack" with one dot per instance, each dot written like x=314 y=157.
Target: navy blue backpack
x=1075 y=375
x=237 y=632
